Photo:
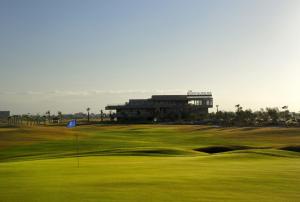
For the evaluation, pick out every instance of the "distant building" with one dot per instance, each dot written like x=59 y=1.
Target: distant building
x=164 y=107
x=4 y=114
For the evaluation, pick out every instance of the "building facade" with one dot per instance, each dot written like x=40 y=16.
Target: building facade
x=4 y=115
x=164 y=107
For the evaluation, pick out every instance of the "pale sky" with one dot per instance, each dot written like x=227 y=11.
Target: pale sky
x=68 y=55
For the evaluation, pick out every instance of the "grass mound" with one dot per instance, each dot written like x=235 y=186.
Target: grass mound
x=139 y=152
x=157 y=152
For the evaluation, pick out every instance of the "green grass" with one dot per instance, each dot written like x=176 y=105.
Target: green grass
x=149 y=163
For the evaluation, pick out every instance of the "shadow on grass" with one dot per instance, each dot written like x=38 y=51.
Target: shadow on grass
x=220 y=149
x=142 y=152
x=162 y=152
x=9 y=126
x=295 y=148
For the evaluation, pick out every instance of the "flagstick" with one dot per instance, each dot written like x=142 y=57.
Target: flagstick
x=72 y=124
x=77 y=150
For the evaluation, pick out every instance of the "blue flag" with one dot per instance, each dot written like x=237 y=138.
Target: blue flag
x=71 y=124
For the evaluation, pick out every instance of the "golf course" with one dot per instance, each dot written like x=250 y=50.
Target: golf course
x=149 y=163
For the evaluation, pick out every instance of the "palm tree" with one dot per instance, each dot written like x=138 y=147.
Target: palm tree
x=238 y=114
x=238 y=107
x=285 y=111
x=60 y=115
x=88 y=111
x=28 y=119
x=101 y=115
x=44 y=119
x=48 y=114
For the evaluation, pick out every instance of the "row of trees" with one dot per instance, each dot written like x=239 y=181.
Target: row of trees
x=263 y=117
x=48 y=118
x=240 y=117
x=27 y=120
x=81 y=115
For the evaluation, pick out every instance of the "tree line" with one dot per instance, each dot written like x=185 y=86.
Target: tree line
x=239 y=117
x=53 y=119
x=262 y=117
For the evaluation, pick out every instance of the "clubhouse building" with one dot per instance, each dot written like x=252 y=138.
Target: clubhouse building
x=193 y=105
x=4 y=115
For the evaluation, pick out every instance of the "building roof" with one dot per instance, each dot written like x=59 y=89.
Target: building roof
x=169 y=97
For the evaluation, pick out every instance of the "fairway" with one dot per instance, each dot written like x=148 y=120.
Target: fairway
x=150 y=163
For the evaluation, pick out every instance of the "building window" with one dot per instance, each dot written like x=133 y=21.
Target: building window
x=195 y=102
x=207 y=102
